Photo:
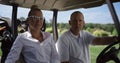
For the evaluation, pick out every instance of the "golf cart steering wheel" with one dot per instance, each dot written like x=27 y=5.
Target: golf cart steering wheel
x=109 y=53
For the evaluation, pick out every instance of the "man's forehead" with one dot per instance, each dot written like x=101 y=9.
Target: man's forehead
x=35 y=12
x=78 y=15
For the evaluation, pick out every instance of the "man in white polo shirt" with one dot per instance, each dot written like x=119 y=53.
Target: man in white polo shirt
x=73 y=45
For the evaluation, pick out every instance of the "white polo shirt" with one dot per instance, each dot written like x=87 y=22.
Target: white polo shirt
x=74 y=49
x=32 y=50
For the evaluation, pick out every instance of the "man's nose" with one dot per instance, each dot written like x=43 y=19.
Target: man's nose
x=78 y=22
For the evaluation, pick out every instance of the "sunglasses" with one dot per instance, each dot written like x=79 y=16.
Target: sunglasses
x=36 y=18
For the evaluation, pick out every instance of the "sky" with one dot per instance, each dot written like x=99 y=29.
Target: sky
x=92 y=15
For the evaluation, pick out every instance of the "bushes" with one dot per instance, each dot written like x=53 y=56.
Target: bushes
x=96 y=32
x=60 y=31
x=101 y=33
x=114 y=32
x=49 y=29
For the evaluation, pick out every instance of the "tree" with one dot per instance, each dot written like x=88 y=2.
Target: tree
x=114 y=33
x=88 y=29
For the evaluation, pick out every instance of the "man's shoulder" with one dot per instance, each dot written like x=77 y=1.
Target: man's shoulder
x=84 y=32
x=66 y=33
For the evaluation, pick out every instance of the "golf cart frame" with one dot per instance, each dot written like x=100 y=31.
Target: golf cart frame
x=56 y=6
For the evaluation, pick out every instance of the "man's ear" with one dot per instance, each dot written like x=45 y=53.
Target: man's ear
x=83 y=23
x=69 y=22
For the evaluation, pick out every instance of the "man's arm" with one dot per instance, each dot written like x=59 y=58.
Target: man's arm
x=105 y=40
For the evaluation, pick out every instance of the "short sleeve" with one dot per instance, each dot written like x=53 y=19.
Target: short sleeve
x=89 y=37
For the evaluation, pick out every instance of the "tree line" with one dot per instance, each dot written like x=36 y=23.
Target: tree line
x=94 y=28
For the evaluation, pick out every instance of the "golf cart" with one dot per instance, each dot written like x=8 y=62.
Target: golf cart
x=109 y=53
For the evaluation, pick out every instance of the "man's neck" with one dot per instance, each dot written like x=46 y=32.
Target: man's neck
x=77 y=33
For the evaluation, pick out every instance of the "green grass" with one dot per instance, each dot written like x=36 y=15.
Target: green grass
x=94 y=52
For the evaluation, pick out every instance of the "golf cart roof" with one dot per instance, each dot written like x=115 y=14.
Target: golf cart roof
x=60 y=5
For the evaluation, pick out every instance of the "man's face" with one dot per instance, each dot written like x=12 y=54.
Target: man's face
x=35 y=20
x=77 y=22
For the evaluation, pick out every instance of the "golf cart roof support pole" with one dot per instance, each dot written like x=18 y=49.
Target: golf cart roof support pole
x=114 y=15
x=14 y=20
x=54 y=25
